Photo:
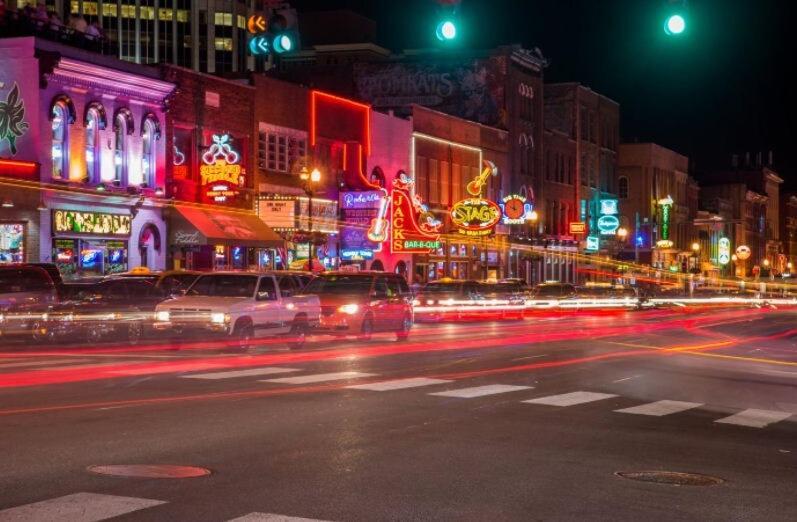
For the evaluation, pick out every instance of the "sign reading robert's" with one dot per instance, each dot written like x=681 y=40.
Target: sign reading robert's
x=94 y=223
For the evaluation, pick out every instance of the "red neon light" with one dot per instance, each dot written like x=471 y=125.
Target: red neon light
x=343 y=101
x=18 y=168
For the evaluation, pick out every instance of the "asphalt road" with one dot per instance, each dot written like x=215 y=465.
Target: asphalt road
x=517 y=420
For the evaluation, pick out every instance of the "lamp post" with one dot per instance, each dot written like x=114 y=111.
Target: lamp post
x=309 y=180
x=533 y=218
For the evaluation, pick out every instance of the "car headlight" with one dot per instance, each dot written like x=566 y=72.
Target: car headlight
x=350 y=309
x=416 y=302
x=2 y=318
x=162 y=315
x=219 y=318
x=429 y=302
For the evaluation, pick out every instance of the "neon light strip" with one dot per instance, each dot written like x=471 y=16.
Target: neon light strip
x=15 y=163
x=343 y=101
x=420 y=135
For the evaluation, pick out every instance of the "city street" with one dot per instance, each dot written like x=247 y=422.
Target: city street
x=513 y=420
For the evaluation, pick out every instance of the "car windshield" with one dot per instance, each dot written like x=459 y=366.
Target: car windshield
x=442 y=288
x=224 y=286
x=17 y=281
x=339 y=284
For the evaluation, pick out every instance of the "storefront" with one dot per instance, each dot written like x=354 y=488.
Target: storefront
x=204 y=238
x=288 y=216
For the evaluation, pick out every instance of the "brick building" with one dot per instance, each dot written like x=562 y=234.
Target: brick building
x=788 y=228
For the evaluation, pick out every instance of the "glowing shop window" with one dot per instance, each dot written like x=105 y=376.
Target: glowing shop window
x=12 y=243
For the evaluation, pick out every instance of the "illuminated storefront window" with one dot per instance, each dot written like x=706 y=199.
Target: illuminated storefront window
x=93 y=146
x=60 y=119
x=12 y=243
x=120 y=150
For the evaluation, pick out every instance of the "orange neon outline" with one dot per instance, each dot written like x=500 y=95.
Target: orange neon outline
x=16 y=163
x=343 y=101
x=417 y=229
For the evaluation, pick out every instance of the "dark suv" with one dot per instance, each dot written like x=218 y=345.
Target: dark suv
x=361 y=303
x=26 y=294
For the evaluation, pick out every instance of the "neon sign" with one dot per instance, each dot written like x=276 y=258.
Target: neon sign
x=608 y=223
x=221 y=170
x=743 y=252
x=593 y=243
x=666 y=208
x=477 y=216
x=516 y=211
x=724 y=251
x=408 y=234
x=99 y=223
x=12 y=119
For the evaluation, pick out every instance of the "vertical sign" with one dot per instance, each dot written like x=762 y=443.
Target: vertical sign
x=724 y=250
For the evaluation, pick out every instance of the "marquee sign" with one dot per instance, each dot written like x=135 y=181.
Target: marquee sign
x=724 y=251
x=664 y=229
x=515 y=210
x=220 y=172
x=95 y=223
x=477 y=216
x=413 y=228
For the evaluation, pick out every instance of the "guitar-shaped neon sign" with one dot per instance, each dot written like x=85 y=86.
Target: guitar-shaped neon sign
x=378 y=229
x=476 y=186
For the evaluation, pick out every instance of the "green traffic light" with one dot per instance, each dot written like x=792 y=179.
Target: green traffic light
x=446 y=30
x=675 y=25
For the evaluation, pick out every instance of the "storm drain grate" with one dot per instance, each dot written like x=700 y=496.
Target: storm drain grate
x=672 y=478
x=157 y=471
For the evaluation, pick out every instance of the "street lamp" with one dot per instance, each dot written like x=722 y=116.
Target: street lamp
x=695 y=247
x=309 y=179
x=622 y=233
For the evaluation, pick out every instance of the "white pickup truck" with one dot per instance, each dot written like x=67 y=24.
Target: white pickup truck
x=243 y=306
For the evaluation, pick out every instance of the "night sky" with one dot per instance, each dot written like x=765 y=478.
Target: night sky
x=718 y=89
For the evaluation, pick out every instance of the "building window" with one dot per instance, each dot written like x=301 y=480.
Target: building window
x=222 y=19
x=377 y=177
x=622 y=187
x=93 y=125
x=280 y=151
x=12 y=243
x=149 y=133
x=60 y=148
x=223 y=44
x=120 y=150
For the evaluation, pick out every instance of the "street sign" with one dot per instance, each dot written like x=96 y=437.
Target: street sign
x=577 y=227
x=593 y=243
x=256 y=24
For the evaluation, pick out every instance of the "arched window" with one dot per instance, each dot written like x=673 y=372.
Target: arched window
x=149 y=133
x=401 y=268
x=377 y=177
x=93 y=125
x=622 y=187
x=60 y=147
x=121 y=127
x=378 y=266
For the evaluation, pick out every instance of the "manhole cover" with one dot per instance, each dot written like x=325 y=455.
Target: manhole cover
x=673 y=478
x=159 y=471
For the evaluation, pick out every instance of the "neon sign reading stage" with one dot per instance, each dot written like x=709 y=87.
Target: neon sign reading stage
x=477 y=216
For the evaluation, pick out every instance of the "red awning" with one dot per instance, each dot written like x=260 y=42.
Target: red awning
x=196 y=226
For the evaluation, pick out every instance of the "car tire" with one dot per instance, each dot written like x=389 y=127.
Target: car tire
x=367 y=329
x=406 y=326
x=298 y=334
x=244 y=334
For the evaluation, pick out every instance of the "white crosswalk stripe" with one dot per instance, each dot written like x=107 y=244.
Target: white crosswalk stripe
x=78 y=507
x=251 y=372
x=481 y=391
x=571 y=399
x=397 y=384
x=754 y=418
x=319 y=377
x=269 y=517
x=661 y=408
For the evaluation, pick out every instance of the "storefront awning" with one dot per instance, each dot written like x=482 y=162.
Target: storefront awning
x=194 y=226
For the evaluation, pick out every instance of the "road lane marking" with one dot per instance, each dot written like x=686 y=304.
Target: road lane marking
x=531 y=357
x=319 y=377
x=78 y=507
x=754 y=418
x=571 y=399
x=270 y=517
x=481 y=391
x=269 y=370
x=661 y=408
x=397 y=384
x=625 y=379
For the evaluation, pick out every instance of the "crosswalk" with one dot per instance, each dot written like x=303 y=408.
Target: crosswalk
x=95 y=507
x=750 y=418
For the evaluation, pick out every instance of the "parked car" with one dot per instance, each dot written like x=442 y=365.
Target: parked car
x=509 y=295
x=26 y=294
x=171 y=282
x=116 y=308
x=300 y=278
x=361 y=303
x=242 y=306
x=443 y=299
x=553 y=290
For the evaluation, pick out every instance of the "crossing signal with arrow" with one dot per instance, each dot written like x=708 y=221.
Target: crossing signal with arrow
x=271 y=35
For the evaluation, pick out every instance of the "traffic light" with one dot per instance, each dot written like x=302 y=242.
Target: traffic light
x=675 y=24
x=447 y=20
x=272 y=35
x=446 y=30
